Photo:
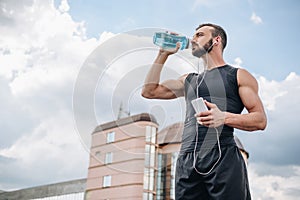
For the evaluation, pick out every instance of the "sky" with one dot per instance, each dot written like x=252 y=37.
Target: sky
x=67 y=66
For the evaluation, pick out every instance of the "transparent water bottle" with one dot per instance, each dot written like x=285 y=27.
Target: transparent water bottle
x=168 y=41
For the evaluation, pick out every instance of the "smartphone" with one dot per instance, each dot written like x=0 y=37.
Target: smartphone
x=199 y=105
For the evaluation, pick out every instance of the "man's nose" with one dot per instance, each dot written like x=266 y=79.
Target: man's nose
x=193 y=41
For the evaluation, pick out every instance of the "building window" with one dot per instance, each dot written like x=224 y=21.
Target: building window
x=173 y=170
x=149 y=179
x=151 y=134
x=148 y=196
x=97 y=154
x=107 y=181
x=161 y=176
x=110 y=137
x=108 y=157
x=145 y=196
x=150 y=156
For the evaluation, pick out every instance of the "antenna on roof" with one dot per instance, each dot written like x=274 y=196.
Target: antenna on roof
x=122 y=113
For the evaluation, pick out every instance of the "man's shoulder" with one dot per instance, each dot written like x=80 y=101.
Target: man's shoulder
x=245 y=77
x=231 y=68
x=190 y=76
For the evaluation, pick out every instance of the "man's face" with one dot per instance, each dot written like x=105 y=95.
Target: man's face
x=202 y=41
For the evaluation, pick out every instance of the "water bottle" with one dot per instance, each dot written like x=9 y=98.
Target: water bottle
x=168 y=41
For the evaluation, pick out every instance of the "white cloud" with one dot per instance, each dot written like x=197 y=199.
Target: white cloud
x=64 y=6
x=41 y=52
x=39 y=34
x=275 y=94
x=50 y=152
x=256 y=19
x=105 y=36
x=272 y=186
x=237 y=62
x=47 y=140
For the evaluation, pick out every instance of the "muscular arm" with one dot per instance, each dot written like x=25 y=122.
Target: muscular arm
x=168 y=89
x=255 y=119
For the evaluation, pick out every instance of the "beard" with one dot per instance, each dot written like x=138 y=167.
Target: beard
x=201 y=50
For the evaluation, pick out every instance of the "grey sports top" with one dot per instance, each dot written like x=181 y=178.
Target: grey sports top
x=220 y=87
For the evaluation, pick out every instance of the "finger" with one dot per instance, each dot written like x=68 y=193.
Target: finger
x=177 y=46
x=210 y=105
x=202 y=114
x=207 y=124
x=199 y=121
x=173 y=33
x=205 y=113
x=206 y=119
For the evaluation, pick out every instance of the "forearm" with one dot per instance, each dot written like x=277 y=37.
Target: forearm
x=248 y=122
x=153 y=77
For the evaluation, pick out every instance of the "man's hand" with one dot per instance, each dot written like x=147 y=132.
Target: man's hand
x=168 y=52
x=214 y=117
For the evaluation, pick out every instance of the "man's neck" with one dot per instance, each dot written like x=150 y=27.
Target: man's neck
x=213 y=61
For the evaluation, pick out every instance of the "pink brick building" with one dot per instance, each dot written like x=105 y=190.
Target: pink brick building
x=131 y=160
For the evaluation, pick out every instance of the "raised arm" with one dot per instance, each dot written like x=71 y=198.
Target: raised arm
x=168 y=89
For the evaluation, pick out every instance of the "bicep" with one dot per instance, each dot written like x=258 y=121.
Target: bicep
x=248 y=91
x=169 y=89
x=172 y=88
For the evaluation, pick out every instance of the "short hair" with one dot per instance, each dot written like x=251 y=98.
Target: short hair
x=218 y=31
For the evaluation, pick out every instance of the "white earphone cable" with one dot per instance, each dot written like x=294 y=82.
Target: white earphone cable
x=197 y=131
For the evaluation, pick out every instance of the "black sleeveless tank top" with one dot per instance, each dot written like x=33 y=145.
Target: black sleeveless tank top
x=220 y=87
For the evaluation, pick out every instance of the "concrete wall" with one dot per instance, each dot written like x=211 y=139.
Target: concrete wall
x=75 y=186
